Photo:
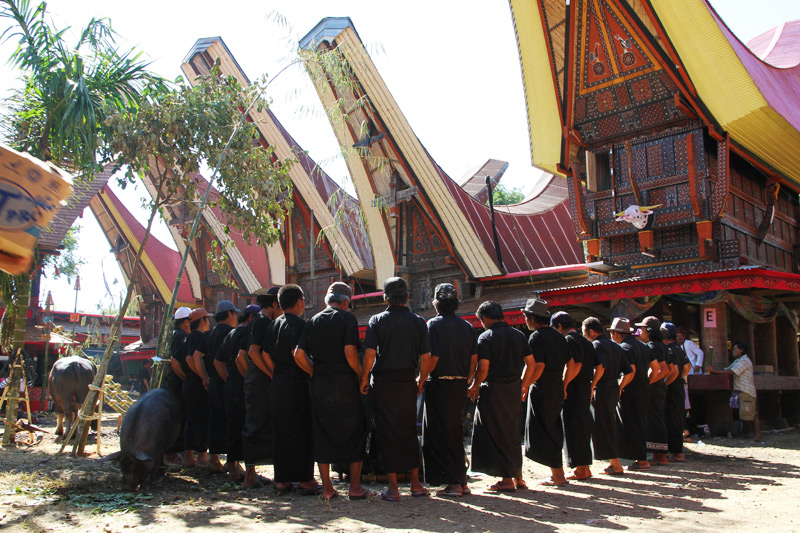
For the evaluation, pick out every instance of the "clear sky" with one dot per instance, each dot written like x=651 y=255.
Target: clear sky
x=452 y=66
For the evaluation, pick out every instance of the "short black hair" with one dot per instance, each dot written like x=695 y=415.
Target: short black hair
x=593 y=323
x=178 y=322
x=289 y=295
x=491 y=310
x=448 y=305
x=396 y=298
x=222 y=315
x=266 y=300
x=196 y=323
x=654 y=333
x=540 y=320
x=742 y=345
x=242 y=317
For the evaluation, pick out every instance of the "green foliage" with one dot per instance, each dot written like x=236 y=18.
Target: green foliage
x=69 y=91
x=174 y=134
x=68 y=263
x=502 y=195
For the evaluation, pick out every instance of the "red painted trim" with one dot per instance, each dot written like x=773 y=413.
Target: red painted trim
x=367 y=295
x=543 y=271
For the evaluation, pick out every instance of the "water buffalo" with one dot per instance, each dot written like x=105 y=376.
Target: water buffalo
x=70 y=378
x=149 y=428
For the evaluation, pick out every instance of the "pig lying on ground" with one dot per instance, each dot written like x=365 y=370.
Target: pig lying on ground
x=149 y=428
x=69 y=383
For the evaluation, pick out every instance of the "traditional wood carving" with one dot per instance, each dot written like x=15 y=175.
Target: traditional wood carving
x=719 y=196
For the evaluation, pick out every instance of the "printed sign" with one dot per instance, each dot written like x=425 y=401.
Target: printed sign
x=709 y=318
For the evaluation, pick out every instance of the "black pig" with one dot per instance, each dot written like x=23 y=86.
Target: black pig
x=149 y=428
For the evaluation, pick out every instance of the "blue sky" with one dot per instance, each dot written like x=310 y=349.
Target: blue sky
x=451 y=65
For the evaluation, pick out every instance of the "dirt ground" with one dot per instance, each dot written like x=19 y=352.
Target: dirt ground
x=725 y=484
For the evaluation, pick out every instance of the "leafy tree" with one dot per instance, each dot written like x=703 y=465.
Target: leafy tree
x=59 y=114
x=68 y=262
x=171 y=137
x=502 y=195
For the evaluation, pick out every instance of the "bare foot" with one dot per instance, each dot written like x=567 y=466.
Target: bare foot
x=327 y=495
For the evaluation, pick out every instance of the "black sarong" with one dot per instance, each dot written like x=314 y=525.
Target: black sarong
x=338 y=421
x=443 y=432
x=235 y=413
x=195 y=397
x=577 y=418
x=257 y=430
x=656 y=426
x=632 y=421
x=174 y=385
x=292 y=441
x=496 y=442
x=544 y=435
x=394 y=406
x=675 y=416
x=604 y=431
x=217 y=421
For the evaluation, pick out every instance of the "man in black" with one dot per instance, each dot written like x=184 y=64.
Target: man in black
x=635 y=399
x=451 y=366
x=328 y=352
x=174 y=381
x=606 y=389
x=499 y=384
x=544 y=434
x=195 y=390
x=225 y=317
x=656 y=424
x=233 y=390
x=292 y=441
x=395 y=341
x=257 y=430
x=675 y=407
x=144 y=376
x=577 y=410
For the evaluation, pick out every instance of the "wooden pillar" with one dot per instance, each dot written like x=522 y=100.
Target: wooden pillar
x=765 y=350
x=716 y=337
x=786 y=341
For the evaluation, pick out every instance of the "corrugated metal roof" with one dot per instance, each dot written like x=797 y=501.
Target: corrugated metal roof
x=779 y=46
x=474 y=181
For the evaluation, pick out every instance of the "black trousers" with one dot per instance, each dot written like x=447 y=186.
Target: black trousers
x=394 y=406
x=544 y=435
x=292 y=440
x=338 y=421
x=577 y=417
x=675 y=416
x=195 y=399
x=496 y=441
x=604 y=430
x=235 y=413
x=656 y=425
x=217 y=420
x=257 y=430
x=443 y=432
x=632 y=421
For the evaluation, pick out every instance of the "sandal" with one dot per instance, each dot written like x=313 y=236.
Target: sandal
x=387 y=498
x=611 y=472
x=497 y=487
x=573 y=477
x=302 y=491
x=363 y=496
x=548 y=482
x=421 y=493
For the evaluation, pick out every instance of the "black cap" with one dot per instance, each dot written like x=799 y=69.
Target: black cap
x=395 y=285
x=562 y=318
x=445 y=291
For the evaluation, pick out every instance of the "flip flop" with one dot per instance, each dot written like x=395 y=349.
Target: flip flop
x=363 y=496
x=282 y=491
x=499 y=488
x=550 y=483
x=387 y=498
x=466 y=491
x=263 y=480
x=635 y=466
x=576 y=478
x=611 y=472
x=302 y=491
x=658 y=463
x=673 y=460
x=521 y=485
x=421 y=493
x=449 y=493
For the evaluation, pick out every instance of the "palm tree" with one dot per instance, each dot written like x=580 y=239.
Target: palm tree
x=60 y=112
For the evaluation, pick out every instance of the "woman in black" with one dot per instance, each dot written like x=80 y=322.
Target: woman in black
x=675 y=408
x=195 y=394
x=656 y=427
x=175 y=374
x=606 y=387
x=451 y=366
x=544 y=435
x=635 y=399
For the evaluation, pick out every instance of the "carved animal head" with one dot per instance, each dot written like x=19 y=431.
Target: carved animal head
x=636 y=215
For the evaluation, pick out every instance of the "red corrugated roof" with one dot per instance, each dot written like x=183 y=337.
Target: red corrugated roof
x=780 y=46
x=166 y=260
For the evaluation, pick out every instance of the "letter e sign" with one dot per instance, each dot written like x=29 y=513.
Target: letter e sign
x=709 y=318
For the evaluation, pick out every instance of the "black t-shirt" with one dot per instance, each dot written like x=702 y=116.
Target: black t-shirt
x=639 y=355
x=399 y=336
x=196 y=341
x=677 y=356
x=177 y=349
x=548 y=346
x=612 y=358
x=215 y=339
x=505 y=348
x=282 y=337
x=326 y=335
x=453 y=341
x=257 y=331
x=144 y=375
x=227 y=352
x=583 y=352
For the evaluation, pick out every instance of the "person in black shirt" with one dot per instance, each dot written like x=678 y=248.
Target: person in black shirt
x=225 y=317
x=144 y=376
x=290 y=403
x=577 y=410
x=544 y=434
x=174 y=380
x=257 y=430
x=635 y=399
x=499 y=384
x=675 y=407
x=656 y=425
x=395 y=341
x=328 y=352
x=195 y=393
x=606 y=388
x=233 y=390
x=451 y=366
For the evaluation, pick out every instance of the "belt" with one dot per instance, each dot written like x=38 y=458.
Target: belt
x=450 y=377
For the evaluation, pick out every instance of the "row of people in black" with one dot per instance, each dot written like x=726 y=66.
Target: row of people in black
x=264 y=386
